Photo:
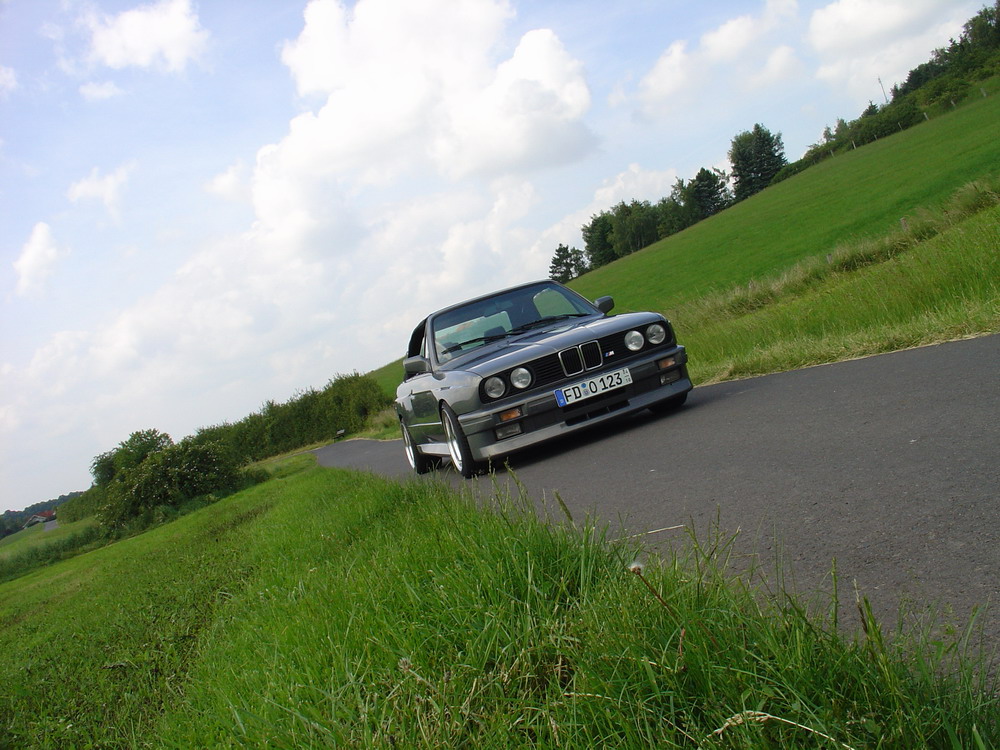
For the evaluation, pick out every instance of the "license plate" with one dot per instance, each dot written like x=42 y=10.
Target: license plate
x=593 y=386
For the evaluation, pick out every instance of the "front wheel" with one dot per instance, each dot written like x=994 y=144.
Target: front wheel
x=458 y=444
x=418 y=461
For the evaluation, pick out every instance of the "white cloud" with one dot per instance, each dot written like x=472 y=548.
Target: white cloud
x=8 y=81
x=853 y=26
x=727 y=42
x=528 y=116
x=59 y=363
x=672 y=73
x=96 y=92
x=730 y=51
x=166 y=35
x=417 y=85
x=374 y=41
x=782 y=64
x=635 y=182
x=233 y=184
x=859 y=41
x=37 y=261
x=106 y=189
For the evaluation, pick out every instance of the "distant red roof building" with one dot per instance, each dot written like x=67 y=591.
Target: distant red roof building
x=40 y=517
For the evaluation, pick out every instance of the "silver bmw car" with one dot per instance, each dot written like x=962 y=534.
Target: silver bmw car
x=512 y=369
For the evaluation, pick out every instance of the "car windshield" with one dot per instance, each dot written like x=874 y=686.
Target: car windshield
x=478 y=323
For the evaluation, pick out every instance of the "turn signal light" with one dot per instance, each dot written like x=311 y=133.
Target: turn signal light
x=663 y=364
x=506 y=416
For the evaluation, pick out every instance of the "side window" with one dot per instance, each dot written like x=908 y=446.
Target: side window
x=550 y=302
x=417 y=343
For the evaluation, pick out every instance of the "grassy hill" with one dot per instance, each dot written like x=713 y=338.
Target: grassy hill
x=36 y=536
x=837 y=209
x=858 y=195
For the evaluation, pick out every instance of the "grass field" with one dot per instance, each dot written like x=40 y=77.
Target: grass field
x=855 y=196
x=332 y=609
x=36 y=536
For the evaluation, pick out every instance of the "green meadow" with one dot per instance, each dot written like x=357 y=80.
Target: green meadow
x=326 y=608
x=35 y=536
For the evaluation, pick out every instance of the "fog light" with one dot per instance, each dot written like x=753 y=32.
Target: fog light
x=663 y=364
x=508 y=430
x=506 y=416
x=670 y=377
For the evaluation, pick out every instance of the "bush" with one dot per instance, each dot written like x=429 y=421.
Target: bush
x=83 y=505
x=166 y=479
x=311 y=416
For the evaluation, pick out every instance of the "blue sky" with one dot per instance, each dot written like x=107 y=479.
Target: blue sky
x=207 y=205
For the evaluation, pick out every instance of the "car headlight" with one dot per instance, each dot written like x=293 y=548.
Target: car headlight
x=495 y=387
x=656 y=334
x=520 y=378
x=634 y=341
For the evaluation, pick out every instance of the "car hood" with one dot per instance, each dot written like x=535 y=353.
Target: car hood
x=531 y=345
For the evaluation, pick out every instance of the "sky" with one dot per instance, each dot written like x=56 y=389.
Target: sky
x=208 y=205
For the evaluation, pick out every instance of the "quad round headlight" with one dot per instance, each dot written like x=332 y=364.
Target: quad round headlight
x=494 y=387
x=656 y=334
x=634 y=341
x=520 y=378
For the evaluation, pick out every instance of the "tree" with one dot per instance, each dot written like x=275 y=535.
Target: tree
x=597 y=240
x=167 y=478
x=140 y=445
x=633 y=227
x=710 y=192
x=129 y=454
x=672 y=216
x=757 y=156
x=567 y=264
x=102 y=468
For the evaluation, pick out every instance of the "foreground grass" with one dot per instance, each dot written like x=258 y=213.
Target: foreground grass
x=332 y=609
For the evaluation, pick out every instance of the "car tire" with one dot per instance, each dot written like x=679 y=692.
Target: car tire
x=458 y=444
x=417 y=460
x=670 y=404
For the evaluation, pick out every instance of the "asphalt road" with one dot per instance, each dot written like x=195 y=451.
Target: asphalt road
x=889 y=465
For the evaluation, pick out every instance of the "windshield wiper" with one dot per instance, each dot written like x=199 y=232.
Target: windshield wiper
x=477 y=340
x=547 y=319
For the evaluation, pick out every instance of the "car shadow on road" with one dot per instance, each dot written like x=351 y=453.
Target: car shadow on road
x=567 y=444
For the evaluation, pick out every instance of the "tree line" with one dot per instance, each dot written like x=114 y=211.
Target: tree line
x=147 y=478
x=757 y=156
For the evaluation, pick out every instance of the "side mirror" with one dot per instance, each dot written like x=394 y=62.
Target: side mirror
x=416 y=365
x=605 y=304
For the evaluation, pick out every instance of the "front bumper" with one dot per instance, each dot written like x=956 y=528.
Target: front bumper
x=543 y=419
